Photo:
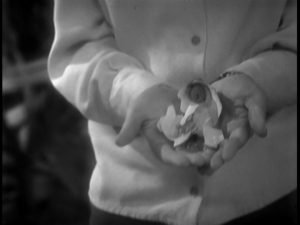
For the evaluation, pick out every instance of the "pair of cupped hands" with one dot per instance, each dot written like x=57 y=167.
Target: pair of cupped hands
x=243 y=114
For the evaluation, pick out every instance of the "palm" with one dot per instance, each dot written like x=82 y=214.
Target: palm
x=233 y=115
x=161 y=146
x=243 y=112
x=143 y=116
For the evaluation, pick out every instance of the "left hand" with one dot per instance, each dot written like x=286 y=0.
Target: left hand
x=244 y=113
x=142 y=117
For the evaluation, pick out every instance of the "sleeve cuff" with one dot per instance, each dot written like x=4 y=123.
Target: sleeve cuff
x=127 y=85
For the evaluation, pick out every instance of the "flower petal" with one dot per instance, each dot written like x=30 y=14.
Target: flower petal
x=168 y=123
x=212 y=136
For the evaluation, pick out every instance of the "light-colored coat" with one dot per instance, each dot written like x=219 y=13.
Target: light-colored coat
x=107 y=52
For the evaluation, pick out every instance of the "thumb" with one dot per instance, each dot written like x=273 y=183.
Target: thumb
x=257 y=115
x=129 y=130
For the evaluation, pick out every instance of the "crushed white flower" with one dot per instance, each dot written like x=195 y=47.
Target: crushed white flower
x=171 y=123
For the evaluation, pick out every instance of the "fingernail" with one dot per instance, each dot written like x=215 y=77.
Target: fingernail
x=264 y=132
x=227 y=155
x=119 y=143
x=217 y=163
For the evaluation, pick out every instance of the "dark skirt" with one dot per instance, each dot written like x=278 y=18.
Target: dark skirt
x=281 y=212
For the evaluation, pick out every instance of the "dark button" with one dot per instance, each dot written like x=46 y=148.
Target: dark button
x=195 y=40
x=194 y=191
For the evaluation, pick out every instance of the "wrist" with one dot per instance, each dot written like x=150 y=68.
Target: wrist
x=232 y=73
x=128 y=86
x=249 y=83
x=245 y=79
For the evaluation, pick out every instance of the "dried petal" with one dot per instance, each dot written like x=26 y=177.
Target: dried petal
x=181 y=139
x=185 y=102
x=201 y=107
x=190 y=110
x=212 y=136
x=216 y=100
x=168 y=123
x=200 y=117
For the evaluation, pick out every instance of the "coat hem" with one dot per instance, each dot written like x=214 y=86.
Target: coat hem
x=136 y=214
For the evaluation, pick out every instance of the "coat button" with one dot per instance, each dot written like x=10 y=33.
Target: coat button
x=195 y=40
x=194 y=190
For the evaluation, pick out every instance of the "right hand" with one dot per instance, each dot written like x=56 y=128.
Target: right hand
x=142 y=118
x=244 y=113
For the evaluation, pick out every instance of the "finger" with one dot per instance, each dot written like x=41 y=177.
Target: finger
x=241 y=111
x=162 y=149
x=236 y=123
x=208 y=153
x=168 y=155
x=257 y=115
x=237 y=139
x=195 y=158
x=195 y=152
x=216 y=161
x=130 y=129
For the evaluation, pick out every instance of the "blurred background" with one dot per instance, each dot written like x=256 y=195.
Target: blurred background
x=46 y=153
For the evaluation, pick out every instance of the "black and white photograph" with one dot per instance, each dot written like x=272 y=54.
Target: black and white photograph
x=149 y=112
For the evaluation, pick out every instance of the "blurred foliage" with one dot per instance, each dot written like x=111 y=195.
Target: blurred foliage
x=60 y=164
x=47 y=157
x=28 y=25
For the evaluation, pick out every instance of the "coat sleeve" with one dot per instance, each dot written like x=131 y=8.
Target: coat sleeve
x=87 y=68
x=273 y=61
